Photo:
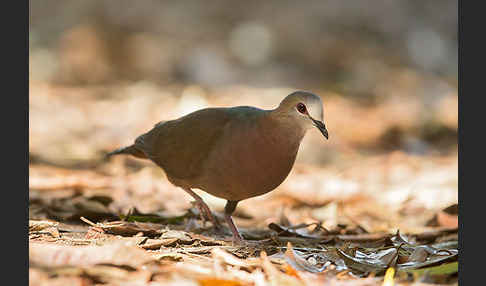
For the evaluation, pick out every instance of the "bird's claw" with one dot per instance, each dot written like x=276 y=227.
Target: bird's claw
x=206 y=214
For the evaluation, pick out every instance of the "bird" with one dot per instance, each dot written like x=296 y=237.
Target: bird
x=234 y=153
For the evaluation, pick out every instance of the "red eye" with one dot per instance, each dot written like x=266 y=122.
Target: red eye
x=301 y=108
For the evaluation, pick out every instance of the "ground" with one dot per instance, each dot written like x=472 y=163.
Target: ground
x=374 y=205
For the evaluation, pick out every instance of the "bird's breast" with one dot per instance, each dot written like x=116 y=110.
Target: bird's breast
x=250 y=162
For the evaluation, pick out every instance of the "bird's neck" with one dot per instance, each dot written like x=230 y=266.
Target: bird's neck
x=283 y=131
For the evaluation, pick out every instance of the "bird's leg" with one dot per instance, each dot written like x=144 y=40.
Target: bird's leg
x=228 y=210
x=203 y=209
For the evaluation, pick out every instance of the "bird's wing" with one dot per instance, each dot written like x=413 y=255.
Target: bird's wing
x=180 y=146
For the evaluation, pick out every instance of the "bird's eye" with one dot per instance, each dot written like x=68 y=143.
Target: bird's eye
x=301 y=108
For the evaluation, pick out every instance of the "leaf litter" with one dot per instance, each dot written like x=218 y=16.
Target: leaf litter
x=128 y=248
x=80 y=234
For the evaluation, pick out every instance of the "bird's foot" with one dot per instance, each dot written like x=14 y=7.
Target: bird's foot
x=237 y=238
x=239 y=241
x=206 y=214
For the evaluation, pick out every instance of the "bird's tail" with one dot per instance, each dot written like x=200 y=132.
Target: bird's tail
x=131 y=150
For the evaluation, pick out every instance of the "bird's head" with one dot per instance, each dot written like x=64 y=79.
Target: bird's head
x=305 y=109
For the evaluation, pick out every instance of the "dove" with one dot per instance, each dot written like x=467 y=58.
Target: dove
x=234 y=153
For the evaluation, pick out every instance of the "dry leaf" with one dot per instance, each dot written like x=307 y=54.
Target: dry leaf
x=217 y=282
x=294 y=259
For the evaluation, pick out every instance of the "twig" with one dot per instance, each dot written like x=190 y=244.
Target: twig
x=88 y=221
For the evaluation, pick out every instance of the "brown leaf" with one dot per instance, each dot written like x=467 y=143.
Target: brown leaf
x=154 y=244
x=130 y=228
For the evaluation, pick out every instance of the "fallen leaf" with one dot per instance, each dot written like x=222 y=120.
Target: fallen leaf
x=389 y=275
x=154 y=244
x=362 y=264
x=446 y=268
x=129 y=228
x=228 y=258
x=295 y=260
x=418 y=255
x=217 y=282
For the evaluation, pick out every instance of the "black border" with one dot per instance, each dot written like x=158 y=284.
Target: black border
x=15 y=143
x=471 y=86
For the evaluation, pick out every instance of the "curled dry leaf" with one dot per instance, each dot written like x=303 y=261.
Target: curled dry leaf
x=296 y=260
x=129 y=228
x=385 y=256
x=364 y=263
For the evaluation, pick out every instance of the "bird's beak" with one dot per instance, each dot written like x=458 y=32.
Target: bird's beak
x=321 y=127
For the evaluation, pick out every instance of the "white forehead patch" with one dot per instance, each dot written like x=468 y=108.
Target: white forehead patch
x=314 y=107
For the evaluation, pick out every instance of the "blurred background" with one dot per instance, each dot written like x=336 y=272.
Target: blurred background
x=103 y=72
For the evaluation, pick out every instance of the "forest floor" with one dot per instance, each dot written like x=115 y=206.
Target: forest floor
x=377 y=216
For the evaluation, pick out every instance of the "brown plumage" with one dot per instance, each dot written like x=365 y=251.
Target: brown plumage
x=233 y=153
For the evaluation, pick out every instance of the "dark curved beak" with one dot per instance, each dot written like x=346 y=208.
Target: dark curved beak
x=321 y=127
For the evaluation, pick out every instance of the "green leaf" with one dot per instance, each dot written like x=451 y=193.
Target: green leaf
x=446 y=268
